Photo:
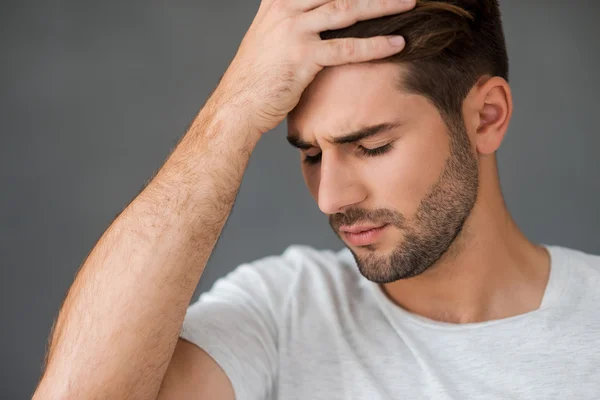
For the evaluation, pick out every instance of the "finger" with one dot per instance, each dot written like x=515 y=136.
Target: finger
x=307 y=5
x=294 y=7
x=342 y=13
x=353 y=50
x=265 y=5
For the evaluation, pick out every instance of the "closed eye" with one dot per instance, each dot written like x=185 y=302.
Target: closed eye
x=363 y=151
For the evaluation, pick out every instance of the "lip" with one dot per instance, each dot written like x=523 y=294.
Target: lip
x=358 y=228
x=362 y=235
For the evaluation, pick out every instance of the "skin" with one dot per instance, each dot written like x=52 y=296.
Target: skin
x=451 y=252
x=107 y=342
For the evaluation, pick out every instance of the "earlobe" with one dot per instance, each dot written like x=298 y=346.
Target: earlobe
x=495 y=109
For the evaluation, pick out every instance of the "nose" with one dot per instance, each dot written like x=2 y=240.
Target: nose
x=339 y=185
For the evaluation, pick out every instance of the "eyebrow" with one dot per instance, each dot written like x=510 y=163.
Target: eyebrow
x=294 y=136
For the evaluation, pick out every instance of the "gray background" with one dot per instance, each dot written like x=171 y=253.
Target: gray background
x=94 y=94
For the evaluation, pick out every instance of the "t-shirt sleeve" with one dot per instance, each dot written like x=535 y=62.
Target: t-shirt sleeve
x=236 y=322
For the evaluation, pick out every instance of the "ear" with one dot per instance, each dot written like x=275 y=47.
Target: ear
x=488 y=109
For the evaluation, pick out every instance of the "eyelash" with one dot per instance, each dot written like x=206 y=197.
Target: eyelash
x=311 y=160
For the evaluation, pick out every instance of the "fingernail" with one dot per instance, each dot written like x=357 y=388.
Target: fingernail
x=396 y=40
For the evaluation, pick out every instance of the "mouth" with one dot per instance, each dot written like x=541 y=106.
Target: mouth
x=362 y=235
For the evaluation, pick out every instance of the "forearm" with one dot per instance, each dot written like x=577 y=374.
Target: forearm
x=120 y=321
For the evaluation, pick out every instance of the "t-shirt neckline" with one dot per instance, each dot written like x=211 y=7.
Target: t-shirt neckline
x=557 y=282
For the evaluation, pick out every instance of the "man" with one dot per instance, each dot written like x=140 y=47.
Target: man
x=438 y=295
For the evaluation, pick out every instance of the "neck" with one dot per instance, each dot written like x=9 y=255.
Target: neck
x=491 y=270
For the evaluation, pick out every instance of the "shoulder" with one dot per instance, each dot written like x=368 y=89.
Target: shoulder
x=301 y=277
x=300 y=271
x=305 y=263
x=306 y=274
x=577 y=257
x=580 y=265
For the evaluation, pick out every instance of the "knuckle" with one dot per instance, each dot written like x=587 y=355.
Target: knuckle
x=342 y=5
x=299 y=54
x=348 y=47
x=289 y=24
x=278 y=4
x=385 y=4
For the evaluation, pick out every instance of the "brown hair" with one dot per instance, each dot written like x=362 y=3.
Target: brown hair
x=450 y=44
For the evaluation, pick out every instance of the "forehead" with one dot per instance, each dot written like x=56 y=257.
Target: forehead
x=341 y=98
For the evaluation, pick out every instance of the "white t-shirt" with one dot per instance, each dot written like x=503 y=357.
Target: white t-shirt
x=307 y=325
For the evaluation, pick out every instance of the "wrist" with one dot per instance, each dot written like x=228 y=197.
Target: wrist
x=228 y=120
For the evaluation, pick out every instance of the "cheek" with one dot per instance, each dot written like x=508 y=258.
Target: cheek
x=403 y=178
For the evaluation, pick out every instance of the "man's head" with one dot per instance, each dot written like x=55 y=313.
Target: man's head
x=403 y=142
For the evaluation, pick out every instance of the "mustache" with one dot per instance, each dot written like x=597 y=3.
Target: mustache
x=358 y=215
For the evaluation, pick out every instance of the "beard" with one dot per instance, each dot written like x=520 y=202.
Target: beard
x=437 y=222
